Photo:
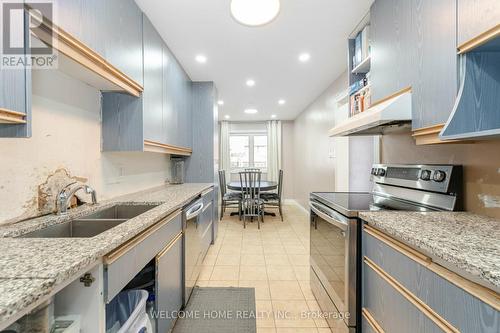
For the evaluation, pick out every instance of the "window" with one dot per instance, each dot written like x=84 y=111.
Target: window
x=248 y=151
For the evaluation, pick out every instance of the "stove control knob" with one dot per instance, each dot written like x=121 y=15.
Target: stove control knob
x=374 y=171
x=425 y=175
x=381 y=172
x=439 y=176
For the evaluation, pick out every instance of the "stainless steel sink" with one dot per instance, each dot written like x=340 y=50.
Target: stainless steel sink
x=93 y=224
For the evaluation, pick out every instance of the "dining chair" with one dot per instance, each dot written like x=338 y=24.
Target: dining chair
x=228 y=199
x=253 y=169
x=273 y=199
x=252 y=204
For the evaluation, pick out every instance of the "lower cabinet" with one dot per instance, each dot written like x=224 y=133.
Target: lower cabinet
x=404 y=291
x=169 y=284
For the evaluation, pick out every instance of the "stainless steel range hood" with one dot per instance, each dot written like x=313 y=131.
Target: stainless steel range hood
x=390 y=114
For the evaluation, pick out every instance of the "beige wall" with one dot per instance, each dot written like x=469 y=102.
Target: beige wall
x=66 y=135
x=313 y=165
x=287 y=159
x=481 y=163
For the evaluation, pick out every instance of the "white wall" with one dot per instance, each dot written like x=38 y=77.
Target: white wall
x=66 y=134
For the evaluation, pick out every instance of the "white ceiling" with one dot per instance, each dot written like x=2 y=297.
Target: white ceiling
x=267 y=54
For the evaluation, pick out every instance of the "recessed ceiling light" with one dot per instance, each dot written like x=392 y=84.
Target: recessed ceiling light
x=250 y=82
x=220 y=102
x=201 y=58
x=304 y=57
x=273 y=116
x=227 y=116
x=251 y=111
x=281 y=102
x=254 y=12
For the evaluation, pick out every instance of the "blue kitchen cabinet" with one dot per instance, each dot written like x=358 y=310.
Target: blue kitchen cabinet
x=15 y=97
x=413 y=45
x=476 y=17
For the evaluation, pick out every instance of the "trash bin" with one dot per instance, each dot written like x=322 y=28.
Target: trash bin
x=126 y=313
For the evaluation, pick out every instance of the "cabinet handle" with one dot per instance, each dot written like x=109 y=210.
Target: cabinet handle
x=169 y=246
x=371 y=321
x=417 y=302
x=115 y=254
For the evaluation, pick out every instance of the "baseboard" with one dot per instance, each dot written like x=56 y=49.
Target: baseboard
x=295 y=203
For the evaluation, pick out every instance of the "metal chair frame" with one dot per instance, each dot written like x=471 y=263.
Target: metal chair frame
x=252 y=205
x=227 y=203
x=276 y=202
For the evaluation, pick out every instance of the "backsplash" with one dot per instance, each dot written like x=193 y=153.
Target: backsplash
x=66 y=147
x=481 y=161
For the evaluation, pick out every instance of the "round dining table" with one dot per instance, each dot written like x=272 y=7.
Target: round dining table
x=264 y=186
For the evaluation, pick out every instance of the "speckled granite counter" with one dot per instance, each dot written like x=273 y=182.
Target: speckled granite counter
x=33 y=267
x=465 y=243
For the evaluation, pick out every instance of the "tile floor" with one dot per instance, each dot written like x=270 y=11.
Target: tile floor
x=275 y=261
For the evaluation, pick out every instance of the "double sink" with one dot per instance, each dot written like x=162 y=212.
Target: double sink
x=92 y=224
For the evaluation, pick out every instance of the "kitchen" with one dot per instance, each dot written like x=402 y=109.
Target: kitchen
x=130 y=142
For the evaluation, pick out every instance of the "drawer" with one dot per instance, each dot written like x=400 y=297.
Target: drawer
x=207 y=196
x=455 y=305
x=393 y=311
x=122 y=264
x=205 y=220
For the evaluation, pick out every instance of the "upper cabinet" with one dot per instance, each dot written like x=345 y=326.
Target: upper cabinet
x=476 y=17
x=159 y=120
x=15 y=94
x=414 y=46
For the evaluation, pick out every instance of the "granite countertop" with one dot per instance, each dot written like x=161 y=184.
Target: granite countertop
x=33 y=267
x=465 y=243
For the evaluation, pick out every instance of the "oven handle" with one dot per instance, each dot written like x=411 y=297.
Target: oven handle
x=330 y=217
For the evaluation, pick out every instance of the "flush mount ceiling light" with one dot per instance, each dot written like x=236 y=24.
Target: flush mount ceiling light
x=273 y=116
x=227 y=116
x=304 y=57
x=251 y=111
x=281 y=102
x=254 y=13
x=220 y=102
x=201 y=58
x=250 y=83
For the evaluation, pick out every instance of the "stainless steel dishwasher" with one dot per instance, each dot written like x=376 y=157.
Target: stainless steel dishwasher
x=192 y=246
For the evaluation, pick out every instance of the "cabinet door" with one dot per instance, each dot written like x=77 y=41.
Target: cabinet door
x=169 y=283
x=433 y=61
x=122 y=36
x=171 y=82
x=476 y=17
x=84 y=20
x=153 y=83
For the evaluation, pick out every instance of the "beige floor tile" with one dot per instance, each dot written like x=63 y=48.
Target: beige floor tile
x=253 y=273
x=206 y=272
x=266 y=330
x=209 y=260
x=274 y=249
x=299 y=259
x=296 y=330
x=265 y=315
x=295 y=249
x=306 y=290
x=252 y=260
x=292 y=313
x=285 y=290
x=225 y=273
x=227 y=260
x=234 y=250
x=277 y=259
x=280 y=273
x=222 y=284
x=327 y=330
x=316 y=314
x=202 y=283
x=252 y=249
x=302 y=272
x=261 y=288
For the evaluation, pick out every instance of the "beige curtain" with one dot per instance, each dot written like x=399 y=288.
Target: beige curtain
x=224 y=160
x=273 y=149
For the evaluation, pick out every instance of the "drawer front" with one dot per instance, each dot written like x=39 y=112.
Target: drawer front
x=125 y=262
x=462 y=310
x=393 y=311
x=208 y=196
x=205 y=220
x=368 y=323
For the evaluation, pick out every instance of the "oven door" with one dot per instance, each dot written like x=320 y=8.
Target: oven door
x=333 y=258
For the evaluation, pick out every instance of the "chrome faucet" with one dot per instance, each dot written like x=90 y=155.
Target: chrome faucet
x=67 y=192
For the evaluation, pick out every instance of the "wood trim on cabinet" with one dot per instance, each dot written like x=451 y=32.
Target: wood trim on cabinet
x=74 y=49
x=124 y=248
x=396 y=94
x=417 y=302
x=430 y=136
x=479 y=39
x=12 y=117
x=480 y=292
x=371 y=321
x=169 y=246
x=157 y=147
